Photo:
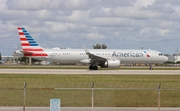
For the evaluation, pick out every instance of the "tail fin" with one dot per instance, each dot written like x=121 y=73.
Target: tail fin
x=29 y=45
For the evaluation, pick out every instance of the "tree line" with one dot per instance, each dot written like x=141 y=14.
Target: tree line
x=99 y=46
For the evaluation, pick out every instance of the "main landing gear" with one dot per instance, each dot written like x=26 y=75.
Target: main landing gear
x=93 y=67
x=150 y=67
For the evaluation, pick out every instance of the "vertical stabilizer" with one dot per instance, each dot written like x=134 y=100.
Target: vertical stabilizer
x=29 y=45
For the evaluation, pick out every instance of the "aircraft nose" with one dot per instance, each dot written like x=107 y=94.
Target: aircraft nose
x=165 y=58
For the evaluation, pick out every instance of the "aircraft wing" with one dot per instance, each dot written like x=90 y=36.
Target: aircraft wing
x=96 y=59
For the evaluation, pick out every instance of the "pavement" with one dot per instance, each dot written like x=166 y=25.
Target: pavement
x=74 y=71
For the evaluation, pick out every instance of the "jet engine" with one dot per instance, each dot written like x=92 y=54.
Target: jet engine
x=111 y=63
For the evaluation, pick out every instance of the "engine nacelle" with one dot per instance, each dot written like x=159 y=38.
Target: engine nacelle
x=86 y=61
x=112 y=63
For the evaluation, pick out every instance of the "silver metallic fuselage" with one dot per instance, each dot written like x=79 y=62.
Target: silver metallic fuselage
x=124 y=55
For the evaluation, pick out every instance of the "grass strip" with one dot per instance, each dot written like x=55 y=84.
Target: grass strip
x=136 y=90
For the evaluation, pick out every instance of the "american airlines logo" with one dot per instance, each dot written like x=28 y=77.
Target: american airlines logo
x=127 y=54
x=146 y=54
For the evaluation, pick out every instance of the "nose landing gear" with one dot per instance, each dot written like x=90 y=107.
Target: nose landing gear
x=150 y=67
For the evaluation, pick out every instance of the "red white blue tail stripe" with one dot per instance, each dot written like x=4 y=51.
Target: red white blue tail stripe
x=29 y=45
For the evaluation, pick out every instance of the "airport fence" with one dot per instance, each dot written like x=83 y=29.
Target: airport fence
x=90 y=94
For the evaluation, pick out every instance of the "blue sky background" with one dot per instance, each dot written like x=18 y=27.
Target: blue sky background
x=153 y=24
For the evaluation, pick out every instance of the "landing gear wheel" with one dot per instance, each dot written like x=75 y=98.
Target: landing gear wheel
x=95 y=68
x=150 y=67
x=91 y=67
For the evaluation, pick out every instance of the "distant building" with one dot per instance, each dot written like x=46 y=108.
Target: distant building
x=8 y=59
x=173 y=58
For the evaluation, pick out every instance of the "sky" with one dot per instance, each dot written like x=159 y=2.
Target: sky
x=120 y=24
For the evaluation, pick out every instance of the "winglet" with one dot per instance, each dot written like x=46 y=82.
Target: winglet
x=85 y=49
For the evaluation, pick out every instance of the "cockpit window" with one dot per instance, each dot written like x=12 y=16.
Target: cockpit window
x=160 y=54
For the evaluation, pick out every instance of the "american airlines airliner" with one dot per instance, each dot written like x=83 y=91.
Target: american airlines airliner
x=105 y=58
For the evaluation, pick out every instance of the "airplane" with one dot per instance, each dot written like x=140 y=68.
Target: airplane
x=105 y=58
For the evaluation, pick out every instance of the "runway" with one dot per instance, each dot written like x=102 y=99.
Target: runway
x=74 y=71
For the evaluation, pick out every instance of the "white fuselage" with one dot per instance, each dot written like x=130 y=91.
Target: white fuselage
x=124 y=55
